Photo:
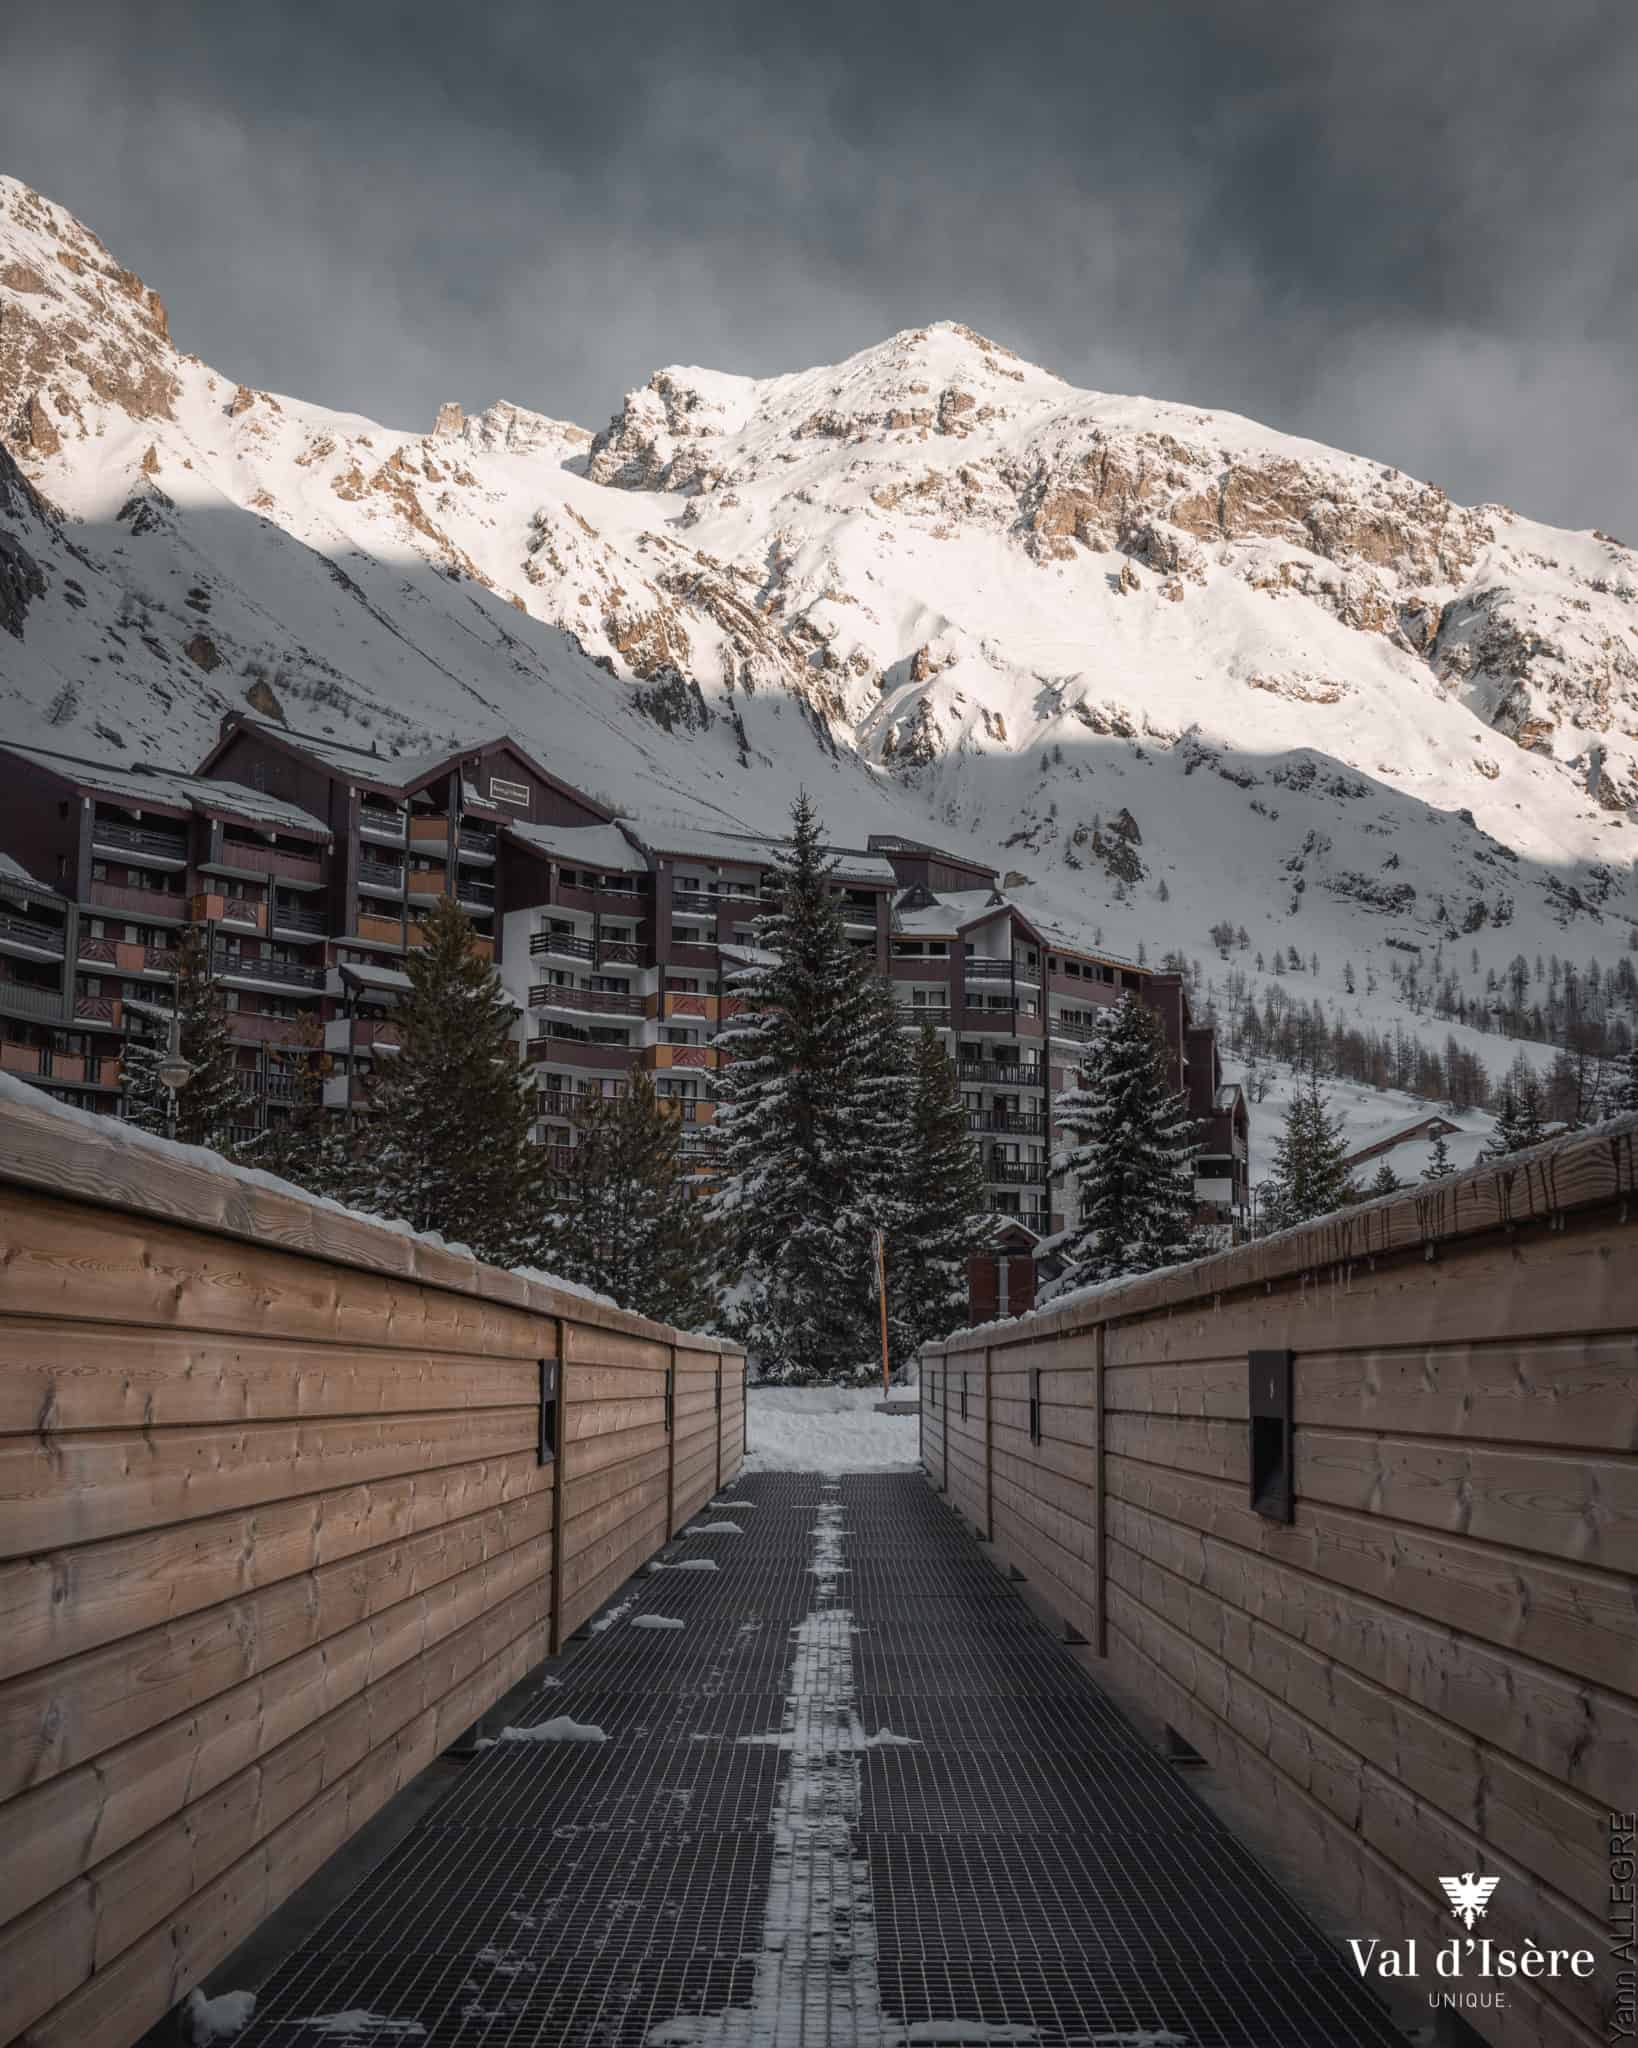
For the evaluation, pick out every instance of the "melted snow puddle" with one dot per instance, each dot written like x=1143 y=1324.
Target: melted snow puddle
x=816 y=1971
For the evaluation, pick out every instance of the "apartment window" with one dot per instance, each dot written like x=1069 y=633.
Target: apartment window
x=678 y=1034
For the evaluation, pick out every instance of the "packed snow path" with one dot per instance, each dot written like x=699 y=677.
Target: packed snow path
x=861 y=1796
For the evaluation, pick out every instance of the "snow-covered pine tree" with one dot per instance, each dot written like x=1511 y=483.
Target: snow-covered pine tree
x=447 y=1144
x=1624 y=1085
x=143 y=1099
x=1131 y=1153
x=943 y=1201
x=1384 y=1182
x=1439 y=1166
x=1520 y=1118
x=1310 y=1176
x=796 y=1141
x=622 y=1217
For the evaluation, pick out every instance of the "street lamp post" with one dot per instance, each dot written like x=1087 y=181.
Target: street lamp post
x=173 y=1073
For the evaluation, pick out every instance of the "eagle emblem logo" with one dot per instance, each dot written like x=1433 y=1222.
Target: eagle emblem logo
x=1469 y=1895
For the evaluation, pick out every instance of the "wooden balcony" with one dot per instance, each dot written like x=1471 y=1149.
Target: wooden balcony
x=146 y=902
x=28 y=935
x=387 y=930
x=576 y=1052
x=565 y=945
x=19 y=1059
x=589 y=1001
x=682 y=1003
x=283 y=862
x=95 y=1010
x=28 y=999
x=660 y=1058
x=141 y=842
x=429 y=831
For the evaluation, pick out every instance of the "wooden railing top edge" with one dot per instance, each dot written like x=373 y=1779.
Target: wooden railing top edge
x=1577 y=1172
x=53 y=1149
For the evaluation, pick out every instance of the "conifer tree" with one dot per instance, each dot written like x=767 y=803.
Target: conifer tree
x=1520 y=1123
x=1310 y=1176
x=622 y=1215
x=1439 y=1166
x=1624 y=1087
x=212 y=1099
x=1131 y=1153
x=942 y=1203
x=309 y=1144
x=1384 y=1182
x=447 y=1146
x=798 y=1138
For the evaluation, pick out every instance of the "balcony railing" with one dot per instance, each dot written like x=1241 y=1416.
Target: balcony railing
x=1072 y=1034
x=381 y=824
x=241 y=910
x=558 y=1157
x=25 y=999
x=380 y=874
x=150 y=902
x=469 y=891
x=916 y=1013
x=1015 y=1173
x=1015 y=1122
x=141 y=840
x=579 y=1052
x=474 y=839
x=565 y=944
x=697 y=902
x=39 y=938
x=283 y=861
x=96 y=1009
x=999 y=1074
x=545 y=996
x=287 y=920
x=292 y=973
x=620 y=953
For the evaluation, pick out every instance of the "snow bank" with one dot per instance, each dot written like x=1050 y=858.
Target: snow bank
x=688 y=1564
x=716 y=1529
x=656 y=1621
x=827 y=1429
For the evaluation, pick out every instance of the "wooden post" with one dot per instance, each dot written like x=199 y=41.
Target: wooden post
x=989 y=1456
x=1100 y=1633
x=671 y=1443
x=881 y=1293
x=560 y=1473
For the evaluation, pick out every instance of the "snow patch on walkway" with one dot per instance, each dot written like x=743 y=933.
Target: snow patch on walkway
x=560 y=1729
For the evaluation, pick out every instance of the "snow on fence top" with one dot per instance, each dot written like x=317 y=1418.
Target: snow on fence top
x=58 y=1149
x=1599 y=1164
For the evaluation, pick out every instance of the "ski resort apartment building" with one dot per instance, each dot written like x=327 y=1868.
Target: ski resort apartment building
x=310 y=863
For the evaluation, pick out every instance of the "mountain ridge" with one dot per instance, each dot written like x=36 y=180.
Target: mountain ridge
x=935 y=583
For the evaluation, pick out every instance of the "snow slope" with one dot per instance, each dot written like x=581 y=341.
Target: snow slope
x=953 y=596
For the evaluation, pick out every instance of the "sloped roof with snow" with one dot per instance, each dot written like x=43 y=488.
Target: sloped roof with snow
x=604 y=847
x=751 y=849
x=140 y=784
x=13 y=875
x=347 y=758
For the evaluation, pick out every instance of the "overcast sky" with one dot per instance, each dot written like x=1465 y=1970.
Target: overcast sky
x=1406 y=229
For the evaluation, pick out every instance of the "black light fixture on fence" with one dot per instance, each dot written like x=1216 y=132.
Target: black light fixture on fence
x=1269 y=1405
x=1035 y=1404
x=548 y=1410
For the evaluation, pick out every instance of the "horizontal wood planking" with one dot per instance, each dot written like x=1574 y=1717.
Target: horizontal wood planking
x=1438 y=1656
x=275 y=1531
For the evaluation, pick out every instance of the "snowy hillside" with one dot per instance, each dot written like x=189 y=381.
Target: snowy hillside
x=1167 y=667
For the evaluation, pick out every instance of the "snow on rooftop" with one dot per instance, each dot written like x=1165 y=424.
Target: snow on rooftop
x=602 y=847
x=143 y=785
x=15 y=876
x=749 y=849
x=393 y=771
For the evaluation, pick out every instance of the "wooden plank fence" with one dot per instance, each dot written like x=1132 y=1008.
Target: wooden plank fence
x=1430 y=1666
x=277 y=1525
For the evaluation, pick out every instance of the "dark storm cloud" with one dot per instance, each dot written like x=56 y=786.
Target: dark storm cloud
x=1402 y=229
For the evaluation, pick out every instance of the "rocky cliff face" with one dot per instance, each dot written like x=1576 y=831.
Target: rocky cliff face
x=954 y=594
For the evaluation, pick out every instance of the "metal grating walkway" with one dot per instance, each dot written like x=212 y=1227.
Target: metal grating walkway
x=861 y=1797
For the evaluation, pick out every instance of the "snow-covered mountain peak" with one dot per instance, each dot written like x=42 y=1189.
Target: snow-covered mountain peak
x=1174 y=667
